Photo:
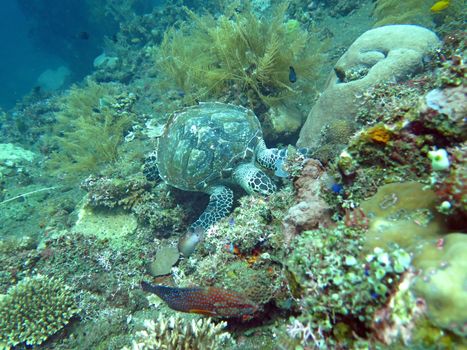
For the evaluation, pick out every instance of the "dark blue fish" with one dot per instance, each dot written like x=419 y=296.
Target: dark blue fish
x=337 y=188
x=292 y=75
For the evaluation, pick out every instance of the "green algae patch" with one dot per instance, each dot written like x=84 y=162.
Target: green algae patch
x=402 y=213
x=115 y=226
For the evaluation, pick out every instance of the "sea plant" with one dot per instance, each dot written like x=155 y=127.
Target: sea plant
x=414 y=12
x=89 y=128
x=239 y=53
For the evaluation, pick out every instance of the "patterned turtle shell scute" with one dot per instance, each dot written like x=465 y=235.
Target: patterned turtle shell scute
x=201 y=145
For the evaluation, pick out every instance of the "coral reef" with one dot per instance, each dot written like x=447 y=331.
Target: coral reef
x=255 y=223
x=400 y=131
x=34 y=309
x=363 y=250
x=243 y=252
x=338 y=287
x=177 y=333
x=152 y=205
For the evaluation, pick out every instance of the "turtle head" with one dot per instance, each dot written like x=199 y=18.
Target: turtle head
x=188 y=242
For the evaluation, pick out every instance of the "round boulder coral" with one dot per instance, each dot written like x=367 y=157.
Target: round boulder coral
x=442 y=282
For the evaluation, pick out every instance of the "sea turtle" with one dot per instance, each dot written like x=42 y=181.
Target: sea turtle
x=210 y=147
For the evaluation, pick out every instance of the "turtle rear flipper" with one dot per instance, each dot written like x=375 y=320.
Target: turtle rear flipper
x=219 y=206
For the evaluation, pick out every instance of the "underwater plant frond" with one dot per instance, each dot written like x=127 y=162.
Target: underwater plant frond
x=266 y=62
x=415 y=12
x=208 y=57
x=89 y=129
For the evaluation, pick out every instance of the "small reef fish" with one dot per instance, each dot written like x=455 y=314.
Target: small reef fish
x=292 y=75
x=83 y=35
x=210 y=301
x=440 y=6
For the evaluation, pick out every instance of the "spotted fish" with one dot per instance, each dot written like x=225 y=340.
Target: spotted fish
x=210 y=301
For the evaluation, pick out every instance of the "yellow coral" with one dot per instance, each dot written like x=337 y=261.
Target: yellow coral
x=379 y=134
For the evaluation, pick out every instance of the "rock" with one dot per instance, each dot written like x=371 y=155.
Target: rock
x=282 y=121
x=387 y=53
x=310 y=211
x=452 y=103
x=12 y=157
x=103 y=61
x=166 y=257
x=11 y=154
x=53 y=79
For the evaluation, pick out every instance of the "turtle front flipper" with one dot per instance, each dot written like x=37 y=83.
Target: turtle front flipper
x=253 y=179
x=220 y=205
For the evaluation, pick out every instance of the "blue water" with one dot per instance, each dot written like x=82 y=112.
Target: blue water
x=21 y=62
x=44 y=35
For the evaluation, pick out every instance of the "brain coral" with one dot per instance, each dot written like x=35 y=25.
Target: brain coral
x=33 y=310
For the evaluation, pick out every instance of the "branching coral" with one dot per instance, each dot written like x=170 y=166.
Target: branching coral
x=34 y=309
x=177 y=333
x=238 y=53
